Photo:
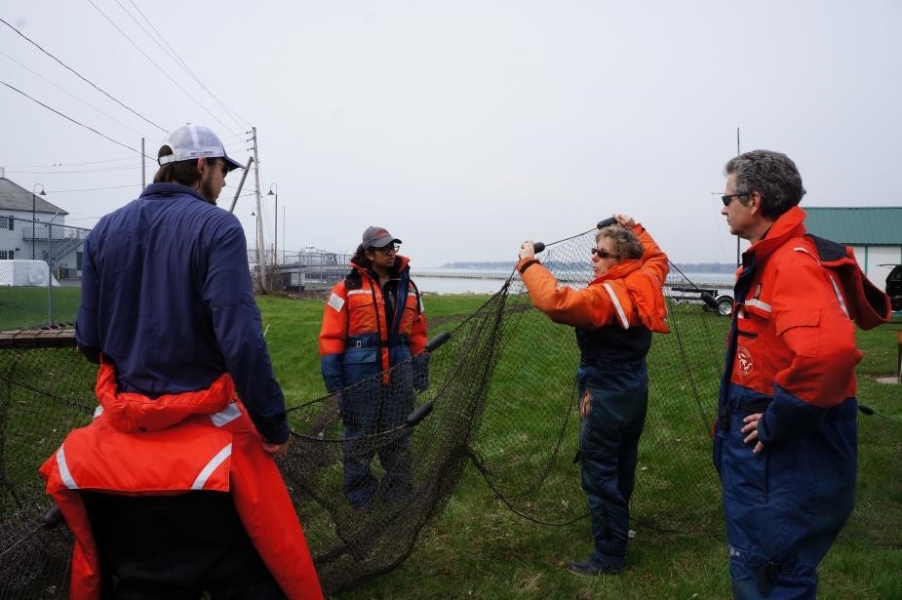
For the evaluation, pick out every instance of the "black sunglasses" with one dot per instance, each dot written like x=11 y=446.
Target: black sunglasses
x=603 y=253
x=727 y=198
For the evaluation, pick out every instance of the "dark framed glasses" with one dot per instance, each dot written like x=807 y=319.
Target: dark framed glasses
x=386 y=250
x=603 y=253
x=221 y=163
x=727 y=198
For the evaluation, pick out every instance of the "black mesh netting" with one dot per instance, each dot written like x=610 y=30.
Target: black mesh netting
x=501 y=396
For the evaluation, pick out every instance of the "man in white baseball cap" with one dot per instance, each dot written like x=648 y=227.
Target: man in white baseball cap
x=195 y=141
x=168 y=311
x=194 y=156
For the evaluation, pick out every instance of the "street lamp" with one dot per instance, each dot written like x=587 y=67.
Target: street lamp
x=50 y=269
x=34 y=193
x=276 y=234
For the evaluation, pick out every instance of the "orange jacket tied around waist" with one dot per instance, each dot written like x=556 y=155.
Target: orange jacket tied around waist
x=176 y=443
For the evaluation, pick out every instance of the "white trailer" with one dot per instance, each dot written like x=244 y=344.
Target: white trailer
x=712 y=297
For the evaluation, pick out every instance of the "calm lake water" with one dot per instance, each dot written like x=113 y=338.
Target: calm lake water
x=478 y=281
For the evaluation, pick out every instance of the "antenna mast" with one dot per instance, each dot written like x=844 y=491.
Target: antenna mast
x=738 y=252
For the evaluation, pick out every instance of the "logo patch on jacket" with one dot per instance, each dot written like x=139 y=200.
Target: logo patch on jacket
x=745 y=360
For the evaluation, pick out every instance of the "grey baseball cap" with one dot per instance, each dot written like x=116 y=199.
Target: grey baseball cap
x=378 y=237
x=190 y=142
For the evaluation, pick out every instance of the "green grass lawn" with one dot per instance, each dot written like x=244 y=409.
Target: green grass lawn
x=28 y=307
x=478 y=548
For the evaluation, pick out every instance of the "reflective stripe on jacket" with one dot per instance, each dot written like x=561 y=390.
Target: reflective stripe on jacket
x=214 y=451
x=628 y=295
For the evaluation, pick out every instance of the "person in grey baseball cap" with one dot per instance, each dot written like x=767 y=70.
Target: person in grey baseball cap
x=372 y=350
x=378 y=237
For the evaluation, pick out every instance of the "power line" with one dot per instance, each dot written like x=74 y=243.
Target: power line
x=96 y=162
x=99 y=189
x=235 y=136
x=69 y=168
x=175 y=56
x=69 y=93
x=120 y=187
x=161 y=69
x=68 y=118
x=58 y=171
x=77 y=74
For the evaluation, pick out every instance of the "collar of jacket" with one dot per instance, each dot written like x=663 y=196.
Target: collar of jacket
x=620 y=270
x=402 y=263
x=788 y=225
x=170 y=189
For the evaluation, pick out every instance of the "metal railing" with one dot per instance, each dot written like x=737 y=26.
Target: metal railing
x=308 y=270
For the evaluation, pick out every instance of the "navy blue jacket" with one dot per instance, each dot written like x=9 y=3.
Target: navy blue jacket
x=167 y=298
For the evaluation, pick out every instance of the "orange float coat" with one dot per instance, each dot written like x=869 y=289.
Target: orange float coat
x=200 y=440
x=628 y=294
x=355 y=323
x=614 y=317
x=791 y=358
x=792 y=342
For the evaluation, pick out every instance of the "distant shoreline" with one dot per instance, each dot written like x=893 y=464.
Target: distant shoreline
x=697 y=268
x=448 y=280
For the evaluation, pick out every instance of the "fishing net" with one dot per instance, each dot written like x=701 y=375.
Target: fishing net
x=500 y=396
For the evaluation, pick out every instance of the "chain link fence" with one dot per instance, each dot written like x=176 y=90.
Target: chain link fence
x=308 y=271
x=41 y=270
x=38 y=261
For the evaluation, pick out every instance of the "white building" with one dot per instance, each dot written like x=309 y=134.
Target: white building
x=31 y=228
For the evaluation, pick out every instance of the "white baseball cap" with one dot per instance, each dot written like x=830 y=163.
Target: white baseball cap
x=190 y=142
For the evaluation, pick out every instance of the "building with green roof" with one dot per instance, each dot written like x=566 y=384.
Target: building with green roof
x=873 y=232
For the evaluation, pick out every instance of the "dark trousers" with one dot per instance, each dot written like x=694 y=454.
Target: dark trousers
x=369 y=409
x=176 y=547
x=785 y=506
x=609 y=451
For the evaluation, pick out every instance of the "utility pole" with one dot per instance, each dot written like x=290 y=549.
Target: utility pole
x=34 y=218
x=261 y=255
x=275 y=250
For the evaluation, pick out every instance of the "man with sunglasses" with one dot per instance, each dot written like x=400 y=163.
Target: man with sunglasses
x=614 y=319
x=785 y=446
x=173 y=490
x=371 y=346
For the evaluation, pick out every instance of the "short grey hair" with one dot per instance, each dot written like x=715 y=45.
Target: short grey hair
x=773 y=175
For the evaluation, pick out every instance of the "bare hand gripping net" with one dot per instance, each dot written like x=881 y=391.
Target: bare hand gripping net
x=500 y=398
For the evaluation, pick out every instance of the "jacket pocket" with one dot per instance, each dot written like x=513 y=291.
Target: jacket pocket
x=801 y=326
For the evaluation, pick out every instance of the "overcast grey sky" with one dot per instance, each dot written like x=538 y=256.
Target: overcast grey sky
x=463 y=127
